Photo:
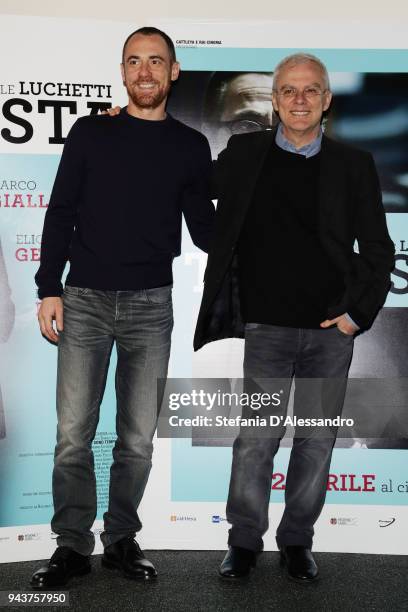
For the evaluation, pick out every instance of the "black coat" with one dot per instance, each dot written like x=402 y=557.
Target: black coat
x=350 y=208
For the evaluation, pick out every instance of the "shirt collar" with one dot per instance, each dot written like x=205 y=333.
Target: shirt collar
x=307 y=150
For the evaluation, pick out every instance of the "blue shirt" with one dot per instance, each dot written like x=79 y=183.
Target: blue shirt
x=308 y=150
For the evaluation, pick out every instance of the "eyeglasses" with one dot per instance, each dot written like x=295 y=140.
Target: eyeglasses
x=290 y=93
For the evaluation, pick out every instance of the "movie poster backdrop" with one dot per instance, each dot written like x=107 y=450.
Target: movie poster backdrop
x=73 y=70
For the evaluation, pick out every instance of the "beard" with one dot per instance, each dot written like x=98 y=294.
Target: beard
x=149 y=98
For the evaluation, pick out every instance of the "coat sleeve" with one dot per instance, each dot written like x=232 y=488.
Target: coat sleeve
x=372 y=265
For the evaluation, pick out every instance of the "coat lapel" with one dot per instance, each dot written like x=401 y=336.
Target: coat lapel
x=333 y=202
x=247 y=165
x=253 y=167
x=331 y=185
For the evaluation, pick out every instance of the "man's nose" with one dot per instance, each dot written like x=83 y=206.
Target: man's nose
x=144 y=69
x=300 y=97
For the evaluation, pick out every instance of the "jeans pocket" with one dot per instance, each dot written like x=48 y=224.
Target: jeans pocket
x=342 y=333
x=77 y=291
x=159 y=295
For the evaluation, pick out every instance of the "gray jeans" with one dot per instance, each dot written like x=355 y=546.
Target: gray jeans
x=140 y=323
x=284 y=352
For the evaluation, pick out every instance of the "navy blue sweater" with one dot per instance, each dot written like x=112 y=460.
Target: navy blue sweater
x=116 y=207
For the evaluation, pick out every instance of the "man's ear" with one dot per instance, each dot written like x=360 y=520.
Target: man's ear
x=175 y=71
x=275 y=102
x=122 y=72
x=327 y=100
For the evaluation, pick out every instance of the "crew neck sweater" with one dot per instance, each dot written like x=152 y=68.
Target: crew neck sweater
x=285 y=276
x=116 y=207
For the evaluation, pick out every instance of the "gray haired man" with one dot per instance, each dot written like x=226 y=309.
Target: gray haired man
x=298 y=309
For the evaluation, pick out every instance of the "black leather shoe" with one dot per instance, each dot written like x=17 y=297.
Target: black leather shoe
x=299 y=563
x=237 y=562
x=63 y=564
x=126 y=556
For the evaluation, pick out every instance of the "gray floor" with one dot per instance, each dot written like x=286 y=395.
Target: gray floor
x=188 y=581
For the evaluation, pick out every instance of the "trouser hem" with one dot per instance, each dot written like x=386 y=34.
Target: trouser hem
x=112 y=538
x=244 y=539
x=293 y=540
x=86 y=551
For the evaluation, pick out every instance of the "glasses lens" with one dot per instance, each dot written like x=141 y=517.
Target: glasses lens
x=308 y=93
x=312 y=92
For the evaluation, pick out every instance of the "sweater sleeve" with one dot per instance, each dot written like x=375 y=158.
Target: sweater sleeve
x=197 y=207
x=61 y=215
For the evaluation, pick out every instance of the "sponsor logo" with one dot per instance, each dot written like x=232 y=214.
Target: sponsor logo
x=28 y=537
x=386 y=522
x=174 y=518
x=217 y=519
x=344 y=521
x=5 y=539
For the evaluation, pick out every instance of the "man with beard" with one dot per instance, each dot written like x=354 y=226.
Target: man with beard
x=115 y=212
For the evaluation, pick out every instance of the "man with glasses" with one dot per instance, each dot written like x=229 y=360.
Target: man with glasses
x=282 y=272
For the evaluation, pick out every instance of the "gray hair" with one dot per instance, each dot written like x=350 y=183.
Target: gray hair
x=301 y=58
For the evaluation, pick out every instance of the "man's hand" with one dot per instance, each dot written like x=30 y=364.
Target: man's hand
x=342 y=323
x=51 y=309
x=112 y=112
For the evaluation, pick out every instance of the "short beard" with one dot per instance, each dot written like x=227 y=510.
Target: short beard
x=147 y=100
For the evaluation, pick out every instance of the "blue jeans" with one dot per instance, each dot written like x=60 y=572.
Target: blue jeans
x=283 y=352
x=140 y=323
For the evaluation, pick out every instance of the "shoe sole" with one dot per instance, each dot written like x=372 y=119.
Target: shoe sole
x=112 y=566
x=284 y=565
x=82 y=572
